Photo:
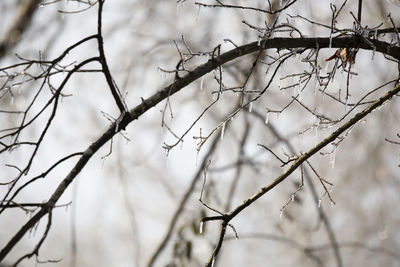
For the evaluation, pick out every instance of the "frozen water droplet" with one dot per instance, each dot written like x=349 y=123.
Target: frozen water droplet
x=315 y=85
x=319 y=203
x=222 y=131
x=293 y=196
x=201 y=227
x=198 y=13
x=259 y=41
x=267 y=118
x=197 y=157
x=281 y=214
x=332 y=159
x=250 y=107
x=315 y=135
x=201 y=83
x=280 y=84
x=212 y=262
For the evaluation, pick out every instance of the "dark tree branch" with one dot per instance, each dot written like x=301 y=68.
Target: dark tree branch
x=110 y=81
x=215 y=62
x=320 y=210
x=300 y=160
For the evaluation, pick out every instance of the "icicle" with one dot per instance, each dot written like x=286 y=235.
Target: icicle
x=293 y=197
x=279 y=83
x=259 y=41
x=181 y=145
x=223 y=131
x=315 y=84
x=332 y=159
x=250 y=107
x=212 y=262
x=351 y=129
x=319 y=203
x=201 y=83
x=197 y=157
x=281 y=214
x=267 y=118
x=280 y=3
x=198 y=13
x=12 y=100
x=300 y=91
x=201 y=227
x=376 y=33
x=315 y=135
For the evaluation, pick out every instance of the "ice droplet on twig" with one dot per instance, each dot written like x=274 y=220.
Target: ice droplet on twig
x=319 y=203
x=300 y=93
x=267 y=118
x=250 y=107
x=197 y=157
x=213 y=261
x=258 y=40
x=223 y=131
x=201 y=227
x=201 y=83
x=332 y=159
x=280 y=214
x=315 y=85
x=198 y=13
x=280 y=84
x=315 y=135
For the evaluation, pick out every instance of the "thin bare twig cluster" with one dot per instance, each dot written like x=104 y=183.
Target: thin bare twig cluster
x=258 y=74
